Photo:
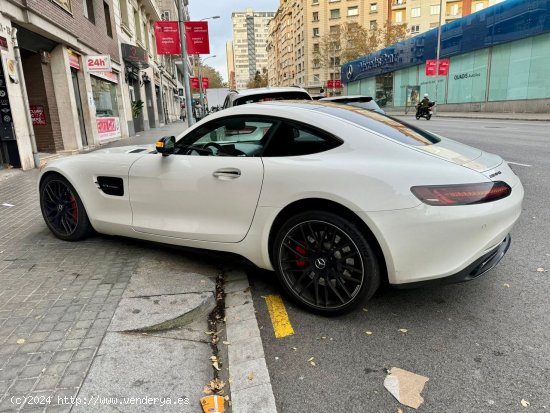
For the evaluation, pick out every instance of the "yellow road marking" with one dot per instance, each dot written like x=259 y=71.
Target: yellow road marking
x=279 y=316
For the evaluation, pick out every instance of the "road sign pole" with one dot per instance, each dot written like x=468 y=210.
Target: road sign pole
x=437 y=58
x=184 y=59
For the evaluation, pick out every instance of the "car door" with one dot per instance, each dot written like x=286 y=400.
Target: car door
x=208 y=189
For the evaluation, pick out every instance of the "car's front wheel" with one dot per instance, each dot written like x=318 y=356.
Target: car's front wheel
x=325 y=263
x=62 y=209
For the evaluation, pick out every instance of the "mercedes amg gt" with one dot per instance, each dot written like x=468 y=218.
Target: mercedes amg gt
x=336 y=199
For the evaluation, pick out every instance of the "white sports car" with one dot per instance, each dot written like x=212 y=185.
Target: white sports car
x=336 y=199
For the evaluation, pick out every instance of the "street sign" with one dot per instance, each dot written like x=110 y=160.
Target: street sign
x=443 y=67
x=196 y=35
x=195 y=82
x=167 y=36
x=99 y=63
x=334 y=84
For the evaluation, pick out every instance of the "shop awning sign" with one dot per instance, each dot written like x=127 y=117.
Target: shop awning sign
x=98 y=63
x=167 y=36
x=195 y=82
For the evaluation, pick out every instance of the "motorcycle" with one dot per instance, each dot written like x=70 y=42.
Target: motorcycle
x=424 y=112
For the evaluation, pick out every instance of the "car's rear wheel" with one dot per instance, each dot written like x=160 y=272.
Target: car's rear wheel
x=325 y=263
x=63 y=210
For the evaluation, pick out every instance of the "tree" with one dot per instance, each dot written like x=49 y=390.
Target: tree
x=350 y=41
x=260 y=79
x=215 y=79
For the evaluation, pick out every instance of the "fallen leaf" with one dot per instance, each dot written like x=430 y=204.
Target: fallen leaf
x=294 y=348
x=525 y=403
x=226 y=398
x=506 y=285
x=217 y=384
x=21 y=341
x=227 y=343
x=312 y=363
x=215 y=365
x=540 y=269
x=207 y=390
x=251 y=376
x=399 y=410
x=324 y=337
x=403 y=330
x=368 y=333
x=310 y=359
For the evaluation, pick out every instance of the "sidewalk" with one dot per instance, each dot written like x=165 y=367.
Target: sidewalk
x=81 y=318
x=480 y=115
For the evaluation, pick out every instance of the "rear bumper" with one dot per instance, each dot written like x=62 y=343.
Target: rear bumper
x=479 y=267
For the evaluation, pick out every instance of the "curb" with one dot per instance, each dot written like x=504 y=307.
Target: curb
x=250 y=384
x=503 y=116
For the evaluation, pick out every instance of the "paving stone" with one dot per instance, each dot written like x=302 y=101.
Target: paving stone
x=47 y=383
x=23 y=385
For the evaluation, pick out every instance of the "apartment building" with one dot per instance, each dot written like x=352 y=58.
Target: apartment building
x=230 y=64
x=297 y=29
x=250 y=32
x=423 y=15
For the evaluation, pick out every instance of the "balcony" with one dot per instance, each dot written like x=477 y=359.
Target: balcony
x=398 y=4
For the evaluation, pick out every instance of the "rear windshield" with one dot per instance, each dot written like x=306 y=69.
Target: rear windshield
x=385 y=125
x=265 y=97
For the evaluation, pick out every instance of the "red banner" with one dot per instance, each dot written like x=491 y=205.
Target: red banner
x=167 y=36
x=443 y=67
x=196 y=35
x=38 y=115
x=334 y=84
x=195 y=82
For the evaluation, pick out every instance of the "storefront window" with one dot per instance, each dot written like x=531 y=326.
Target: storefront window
x=106 y=106
x=404 y=80
x=468 y=77
x=367 y=87
x=384 y=90
x=427 y=85
x=519 y=70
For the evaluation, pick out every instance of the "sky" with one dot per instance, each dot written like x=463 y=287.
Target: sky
x=220 y=30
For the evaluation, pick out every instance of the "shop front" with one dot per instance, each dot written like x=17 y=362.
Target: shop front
x=135 y=59
x=104 y=90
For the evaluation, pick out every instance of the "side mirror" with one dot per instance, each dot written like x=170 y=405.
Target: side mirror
x=166 y=145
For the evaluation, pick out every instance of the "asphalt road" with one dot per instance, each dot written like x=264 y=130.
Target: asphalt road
x=484 y=345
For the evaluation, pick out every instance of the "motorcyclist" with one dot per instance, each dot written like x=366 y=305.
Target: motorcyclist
x=425 y=103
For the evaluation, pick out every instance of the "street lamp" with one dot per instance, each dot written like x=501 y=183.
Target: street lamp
x=201 y=92
x=208 y=18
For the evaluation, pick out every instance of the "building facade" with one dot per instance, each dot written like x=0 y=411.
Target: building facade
x=72 y=73
x=250 y=31
x=230 y=65
x=423 y=15
x=499 y=59
x=48 y=92
x=296 y=31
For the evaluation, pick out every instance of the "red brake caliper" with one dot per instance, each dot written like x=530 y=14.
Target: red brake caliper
x=300 y=262
x=75 y=210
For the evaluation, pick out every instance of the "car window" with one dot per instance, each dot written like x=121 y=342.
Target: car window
x=266 y=97
x=230 y=136
x=293 y=139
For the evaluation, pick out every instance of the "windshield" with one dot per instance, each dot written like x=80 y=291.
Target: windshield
x=266 y=97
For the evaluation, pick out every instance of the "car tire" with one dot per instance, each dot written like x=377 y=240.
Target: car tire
x=325 y=263
x=63 y=210
x=417 y=117
x=428 y=117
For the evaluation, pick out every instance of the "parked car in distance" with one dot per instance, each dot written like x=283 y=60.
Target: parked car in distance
x=364 y=102
x=264 y=94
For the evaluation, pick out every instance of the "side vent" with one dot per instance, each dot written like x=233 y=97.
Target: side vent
x=111 y=185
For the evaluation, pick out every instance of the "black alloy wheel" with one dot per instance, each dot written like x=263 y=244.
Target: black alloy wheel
x=325 y=263
x=62 y=209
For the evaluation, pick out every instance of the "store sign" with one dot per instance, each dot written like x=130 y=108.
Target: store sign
x=196 y=36
x=110 y=76
x=38 y=115
x=431 y=67
x=73 y=59
x=195 y=82
x=334 y=84
x=167 y=37
x=135 y=55
x=108 y=128
x=99 y=63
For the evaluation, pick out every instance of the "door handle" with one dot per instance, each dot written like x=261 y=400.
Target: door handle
x=227 y=173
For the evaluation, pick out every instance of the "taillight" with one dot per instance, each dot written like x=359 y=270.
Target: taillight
x=462 y=194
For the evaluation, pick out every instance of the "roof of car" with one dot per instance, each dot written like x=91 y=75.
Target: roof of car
x=263 y=90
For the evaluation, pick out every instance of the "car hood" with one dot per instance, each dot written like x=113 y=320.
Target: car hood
x=128 y=149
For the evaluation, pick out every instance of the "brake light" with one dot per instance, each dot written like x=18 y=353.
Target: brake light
x=462 y=194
